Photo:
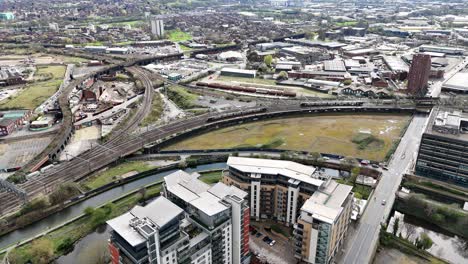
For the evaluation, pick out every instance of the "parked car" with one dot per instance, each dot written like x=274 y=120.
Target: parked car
x=365 y=162
x=272 y=243
x=259 y=234
x=384 y=202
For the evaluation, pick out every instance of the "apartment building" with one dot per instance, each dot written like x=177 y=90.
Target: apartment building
x=443 y=152
x=317 y=207
x=323 y=223
x=192 y=223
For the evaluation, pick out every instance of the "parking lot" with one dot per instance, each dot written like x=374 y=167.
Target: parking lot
x=280 y=251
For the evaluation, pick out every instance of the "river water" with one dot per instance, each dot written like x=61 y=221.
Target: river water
x=77 y=209
x=447 y=246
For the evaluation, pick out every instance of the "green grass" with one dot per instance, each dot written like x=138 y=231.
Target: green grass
x=157 y=108
x=178 y=35
x=363 y=191
x=246 y=80
x=322 y=133
x=182 y=97
x=74 y=60
x=185 y=48
x=261 y=81
x=346 y=24
x=85 y=225
x=132 y=23
x=364 y=141
x=113 y=173
x=211 y=177
x=36 y=93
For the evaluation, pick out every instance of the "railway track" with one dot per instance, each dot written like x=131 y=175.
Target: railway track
x=126 y=143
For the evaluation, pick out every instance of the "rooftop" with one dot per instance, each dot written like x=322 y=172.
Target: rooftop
x=326 y=204
x=156 y=214
x=448 y=123
x=289 y=169
x=457 y=82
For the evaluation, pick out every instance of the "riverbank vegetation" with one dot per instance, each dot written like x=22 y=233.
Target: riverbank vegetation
x=447 y=217
x=61 y=240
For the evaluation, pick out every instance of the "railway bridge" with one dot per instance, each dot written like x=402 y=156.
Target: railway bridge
x=102 y=155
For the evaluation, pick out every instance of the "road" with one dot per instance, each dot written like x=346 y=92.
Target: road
x=127 y=143
x=365 y=238
x=367 y=233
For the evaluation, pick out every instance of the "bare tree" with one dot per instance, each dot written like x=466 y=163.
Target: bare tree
x=410 y=230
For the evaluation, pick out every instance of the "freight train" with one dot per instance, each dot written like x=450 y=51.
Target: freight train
x=236 y=114
x=237 y=88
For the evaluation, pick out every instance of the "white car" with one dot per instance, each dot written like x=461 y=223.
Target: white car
x=272 y=243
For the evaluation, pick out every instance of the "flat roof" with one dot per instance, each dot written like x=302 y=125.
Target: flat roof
x=159 y=212
x=289 y=169
x=449 y=119
x=334 y=65
x=457 y=82
x=234 y=70
x=326 y=203
x=209 y=204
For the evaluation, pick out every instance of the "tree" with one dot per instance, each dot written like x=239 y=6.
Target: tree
x=268 y=60
x=64 y=192
x=354 y=174
x=315 y=156
x=424 y=242
x=347 y=82
x=396 y=226
x=410 y=230
x=283 y=75
x=42 y=251
x=349 y=162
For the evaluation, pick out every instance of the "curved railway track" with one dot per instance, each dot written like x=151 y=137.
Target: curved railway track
x=126 y=143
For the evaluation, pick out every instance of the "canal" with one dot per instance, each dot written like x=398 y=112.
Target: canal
x=77 y=209
x=447 y=246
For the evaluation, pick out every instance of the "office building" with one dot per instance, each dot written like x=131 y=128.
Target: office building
x=323 y=223
x=192 y=223
x=440 y=49
x=298 y=196
x=7 y=16
x=443 y=153
x=157 y=27
x=418 y=75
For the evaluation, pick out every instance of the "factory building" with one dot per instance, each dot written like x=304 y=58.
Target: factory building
x=443 y=153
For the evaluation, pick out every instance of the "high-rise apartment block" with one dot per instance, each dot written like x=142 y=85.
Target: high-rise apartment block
x=192 y=223
x=418 y=75
x=317 y=207
x=157 y=26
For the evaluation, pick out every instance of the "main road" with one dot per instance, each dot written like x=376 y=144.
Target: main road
x=367 y=234
x=364 y=240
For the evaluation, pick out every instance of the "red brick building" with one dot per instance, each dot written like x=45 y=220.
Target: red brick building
x=418 y=75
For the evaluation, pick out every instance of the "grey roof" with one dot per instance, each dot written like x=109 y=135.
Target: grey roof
x=160 y=211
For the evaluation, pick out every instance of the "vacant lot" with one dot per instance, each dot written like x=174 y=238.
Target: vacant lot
x=36 y=93
x=178 y=36
x=326 y=134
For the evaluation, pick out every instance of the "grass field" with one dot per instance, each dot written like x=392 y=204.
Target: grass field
x=157 y=108
x=211 y=177
x=182 y=97
x=178 y=35
x=324 y=133
x=78 y=229
x=36 y=93
x=112 y=173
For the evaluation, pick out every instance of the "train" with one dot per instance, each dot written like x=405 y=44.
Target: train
x=332 y=103
x=244 y=89
x=236 y=114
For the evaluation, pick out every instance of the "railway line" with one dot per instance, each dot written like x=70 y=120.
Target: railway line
x=125 y=143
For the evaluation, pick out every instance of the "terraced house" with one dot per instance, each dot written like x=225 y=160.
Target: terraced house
x=317 y=207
